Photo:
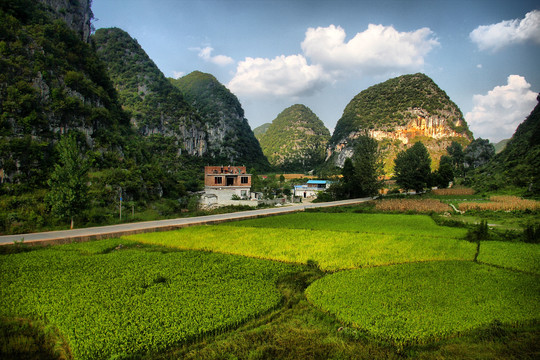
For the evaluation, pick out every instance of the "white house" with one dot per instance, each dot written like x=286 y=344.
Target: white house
x=311 y=188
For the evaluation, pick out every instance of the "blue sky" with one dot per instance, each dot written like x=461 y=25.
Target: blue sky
x=275 y=53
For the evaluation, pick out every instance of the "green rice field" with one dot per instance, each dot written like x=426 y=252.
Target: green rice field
x=414 y=303
x=108 y=300
x=395 y=279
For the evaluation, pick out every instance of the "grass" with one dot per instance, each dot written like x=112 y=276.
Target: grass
x=423 y=302
x=331 y=250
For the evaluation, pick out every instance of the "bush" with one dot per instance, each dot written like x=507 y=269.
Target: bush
x=531 y=233
x=479 y=232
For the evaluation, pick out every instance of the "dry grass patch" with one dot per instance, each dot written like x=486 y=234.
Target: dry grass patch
x=415 y=205
x=453 y=191
x=502 y=203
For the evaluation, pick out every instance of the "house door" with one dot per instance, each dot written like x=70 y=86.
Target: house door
x=230 y=181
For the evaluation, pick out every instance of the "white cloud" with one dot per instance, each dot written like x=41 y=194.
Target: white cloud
x=479 y=66
x=379 y=49
x=497 y=114
x=281 y=76
x=507 y=32
x=221 y=60
x=178 y=74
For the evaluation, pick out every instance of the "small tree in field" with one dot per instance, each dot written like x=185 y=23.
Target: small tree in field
x=68 y=190
x=368 y=166
x=412 y=168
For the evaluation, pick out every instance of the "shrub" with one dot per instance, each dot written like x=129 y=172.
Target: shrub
x=531 y=233
x=479 y=232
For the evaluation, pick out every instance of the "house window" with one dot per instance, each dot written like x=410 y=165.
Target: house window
x=244 y=179
x=218 y=180
x=243 y=193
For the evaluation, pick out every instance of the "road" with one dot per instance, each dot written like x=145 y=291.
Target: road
x=102 y=232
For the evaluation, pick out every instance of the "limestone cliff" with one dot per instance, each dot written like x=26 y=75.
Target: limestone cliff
x=398 y=113
x=76 y=14
x=154 y=105
x=51 y=82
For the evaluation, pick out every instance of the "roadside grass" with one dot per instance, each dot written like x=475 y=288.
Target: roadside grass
x=331 y=250
x=424 y=302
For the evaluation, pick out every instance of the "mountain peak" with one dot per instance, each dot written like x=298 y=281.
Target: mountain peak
x=400 y=111
x=295 y=140
x=230 y=137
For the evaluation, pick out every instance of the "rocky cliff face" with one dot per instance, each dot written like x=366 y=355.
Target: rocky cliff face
x=76 y=14
x=398 y=113
x=296 y=140
x=230 y=138
x=51 y=82
x=154 y=105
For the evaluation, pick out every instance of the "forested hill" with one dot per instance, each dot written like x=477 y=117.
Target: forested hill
x=51 y=82
x=296 y=140
x=517 y=165
x=154 y=105
x=260 y=130
x=230 y=138
x=399 y=112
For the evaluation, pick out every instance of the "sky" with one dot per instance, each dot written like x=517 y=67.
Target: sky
x=273 y=54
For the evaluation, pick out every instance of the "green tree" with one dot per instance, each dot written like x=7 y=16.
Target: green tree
x=455 y=150
x=413 y=168
x=346 y=188
x=368 y=167
x=68 y=189
x=478 y=153
x=445 y=174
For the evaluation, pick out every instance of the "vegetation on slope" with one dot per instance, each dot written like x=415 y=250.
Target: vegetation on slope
x=517 y=165
x=153 y=103
x=260 y=130
x=230 y=138
x=296 y=140
x=51 y=82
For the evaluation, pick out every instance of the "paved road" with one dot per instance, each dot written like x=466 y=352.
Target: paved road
x=102 y=232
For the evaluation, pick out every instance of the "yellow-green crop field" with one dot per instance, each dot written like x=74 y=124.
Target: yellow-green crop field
x=333 y=241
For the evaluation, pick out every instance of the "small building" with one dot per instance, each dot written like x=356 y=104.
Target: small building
x=311 y=188
x=226 y=185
